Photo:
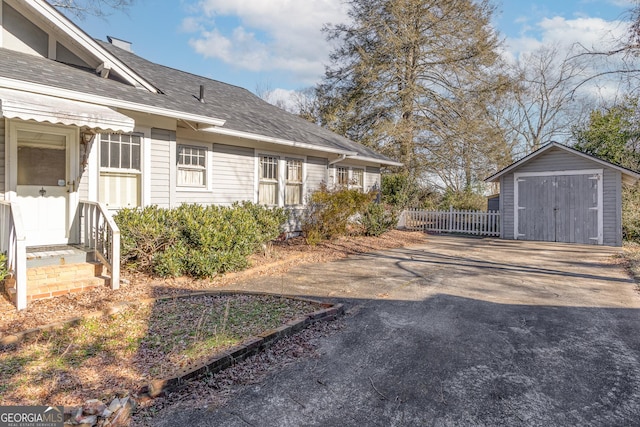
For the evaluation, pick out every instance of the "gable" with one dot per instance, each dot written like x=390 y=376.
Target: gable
x=556 y=159
x=36 y=28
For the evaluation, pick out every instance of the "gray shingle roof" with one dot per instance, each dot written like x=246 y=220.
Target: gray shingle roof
x=242 y=110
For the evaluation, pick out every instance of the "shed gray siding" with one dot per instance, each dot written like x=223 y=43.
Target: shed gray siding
x=556 y=160
x=161 y=145
x=316 y=173
x=232 y=174
x=372 y=178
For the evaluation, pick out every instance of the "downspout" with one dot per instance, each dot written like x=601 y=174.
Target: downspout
x=339 y=159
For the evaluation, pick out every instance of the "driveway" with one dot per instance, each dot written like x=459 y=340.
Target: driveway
x=459 y=331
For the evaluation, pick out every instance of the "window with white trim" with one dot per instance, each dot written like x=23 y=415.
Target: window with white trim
x=342 y=176
x=293 y=185
x=192 y=166
x=357 y=179
x=120 y=170
x=268 y=185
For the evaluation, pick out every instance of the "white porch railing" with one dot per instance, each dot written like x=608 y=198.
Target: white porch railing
x=13 y=242
x=98 y=232
x=467 y=222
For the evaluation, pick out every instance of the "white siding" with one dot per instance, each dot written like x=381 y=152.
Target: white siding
x=316 y=173
x=372 y=177
x=232 y=174
x=161 y=144
x=2 y=156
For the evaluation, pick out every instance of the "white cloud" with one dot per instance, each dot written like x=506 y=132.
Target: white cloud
x=592 y=33
x=266 y=35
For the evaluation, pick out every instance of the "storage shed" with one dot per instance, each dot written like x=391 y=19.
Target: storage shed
x=559 y=194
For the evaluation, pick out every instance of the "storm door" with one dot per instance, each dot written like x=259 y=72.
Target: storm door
x=41 y=187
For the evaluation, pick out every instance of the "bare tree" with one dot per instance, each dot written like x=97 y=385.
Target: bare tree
x=544 y=101
x=82 y=8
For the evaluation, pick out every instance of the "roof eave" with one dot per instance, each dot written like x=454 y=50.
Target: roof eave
x=386 y=162
x=109 y=102
x=278 y=141
x=625 y=172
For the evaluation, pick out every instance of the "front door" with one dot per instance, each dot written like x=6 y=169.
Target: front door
x=41 y=186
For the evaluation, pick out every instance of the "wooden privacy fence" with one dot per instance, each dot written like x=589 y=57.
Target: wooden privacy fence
x=467 y=222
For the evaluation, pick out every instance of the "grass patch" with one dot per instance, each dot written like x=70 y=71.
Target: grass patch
x=102 y=357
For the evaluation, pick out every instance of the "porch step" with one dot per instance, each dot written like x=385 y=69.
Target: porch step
x=41 y=256
x=56 y=280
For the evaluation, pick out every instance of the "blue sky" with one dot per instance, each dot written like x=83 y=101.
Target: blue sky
x=277 y=44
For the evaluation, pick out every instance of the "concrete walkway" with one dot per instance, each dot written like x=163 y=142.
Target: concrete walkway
x=460 y=331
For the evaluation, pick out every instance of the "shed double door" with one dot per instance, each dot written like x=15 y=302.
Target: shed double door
x=559 y=208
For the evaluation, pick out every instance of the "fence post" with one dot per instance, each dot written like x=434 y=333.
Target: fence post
x=450 y=225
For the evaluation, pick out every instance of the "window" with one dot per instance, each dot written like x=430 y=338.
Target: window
x=120 y=172
x=342 y=176
x=357 y=179
x=192 y=166
x=293 y=195
x=268 y=187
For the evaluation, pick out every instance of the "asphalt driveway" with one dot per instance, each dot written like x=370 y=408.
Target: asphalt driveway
x=459 y=331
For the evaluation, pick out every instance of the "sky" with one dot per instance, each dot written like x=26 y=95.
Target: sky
x=278 y=45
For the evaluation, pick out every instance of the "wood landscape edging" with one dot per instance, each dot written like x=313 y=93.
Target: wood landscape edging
x=245 y=350
x=219 y=361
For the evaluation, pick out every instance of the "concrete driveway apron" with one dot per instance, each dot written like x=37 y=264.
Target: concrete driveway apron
x=459 y=331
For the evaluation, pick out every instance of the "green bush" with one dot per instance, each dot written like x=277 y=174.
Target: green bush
x=376 y=219
x=4 y=269
x=333 y=212
x=463 y=200
x=631 y=213
x=195 y=240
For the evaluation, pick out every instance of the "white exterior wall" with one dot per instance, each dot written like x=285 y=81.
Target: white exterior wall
x=2 y=156
x=161 y=145
x=232 y=174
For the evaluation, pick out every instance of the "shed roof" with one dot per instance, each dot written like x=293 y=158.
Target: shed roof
x=629 y=176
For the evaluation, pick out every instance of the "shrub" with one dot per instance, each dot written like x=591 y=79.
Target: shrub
x=4 y=269
x=376 y=219
x=631 y=213
x=331 y=212
x=463 y=200
x=195 y=240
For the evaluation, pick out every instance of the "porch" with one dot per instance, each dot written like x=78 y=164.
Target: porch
x=45 y=272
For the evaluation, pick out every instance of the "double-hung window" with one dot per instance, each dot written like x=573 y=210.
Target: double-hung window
x=268 y=185
x=192 y=166
x=357 y=179
x=120 y=170
x=342 y=176
x=293 y=194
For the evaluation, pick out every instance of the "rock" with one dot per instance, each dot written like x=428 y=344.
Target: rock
x=106 y=413
x=121 y=418
x=91 y=420
x=93 y=407
x=114 y=405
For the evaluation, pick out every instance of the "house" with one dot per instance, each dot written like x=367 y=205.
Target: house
x=559 y=194
x=87 y=127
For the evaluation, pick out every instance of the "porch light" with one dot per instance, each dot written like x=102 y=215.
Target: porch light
x=86 y=137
